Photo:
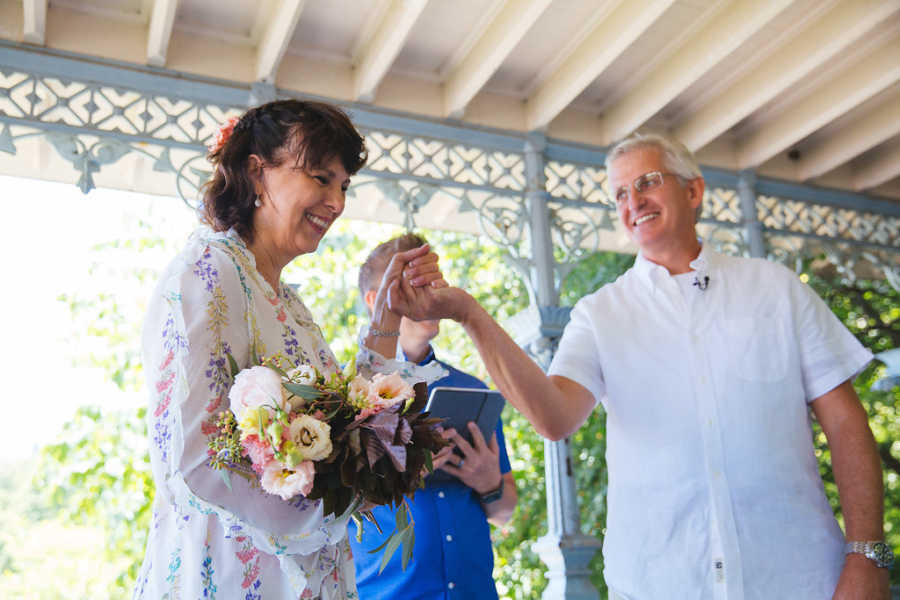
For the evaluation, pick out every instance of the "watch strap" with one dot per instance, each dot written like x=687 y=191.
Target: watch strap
x=493 y=495
x=876 y=551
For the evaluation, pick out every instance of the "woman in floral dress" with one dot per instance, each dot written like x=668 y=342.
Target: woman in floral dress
x=281 y=173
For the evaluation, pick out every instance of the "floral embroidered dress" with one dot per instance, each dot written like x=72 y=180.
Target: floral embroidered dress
x=206 y=540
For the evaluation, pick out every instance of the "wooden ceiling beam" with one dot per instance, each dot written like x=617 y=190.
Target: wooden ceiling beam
x=881 y=169
x=507 y=29
x=162 y=20
x=35 y=21
x=381 y=51
x=719 y=38
x=879 y=125
x=605 y=43
x=275 y=40
x=807 y=51
x=848 y=89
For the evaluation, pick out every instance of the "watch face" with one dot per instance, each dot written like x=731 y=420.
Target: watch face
x=882 y=554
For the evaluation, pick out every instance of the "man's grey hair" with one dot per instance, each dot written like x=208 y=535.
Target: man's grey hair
x=676 y=157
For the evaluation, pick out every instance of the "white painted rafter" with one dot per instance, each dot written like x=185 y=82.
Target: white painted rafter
x=378 y=55
x=510 y=25
x=35 y=21
x=858 y=136
x=609 y=39
x=718 y=39
x=162 y=20
x=848 y=89
x=847 y=22
x=275 y=40
x=880 y=169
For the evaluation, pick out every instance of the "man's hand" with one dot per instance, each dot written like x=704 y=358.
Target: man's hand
x=862 y=580
x=479 y=468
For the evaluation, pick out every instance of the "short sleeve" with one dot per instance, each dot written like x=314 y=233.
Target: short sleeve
x=829 y=353
x=577 y=356
x=197 y=316
x=505 y=467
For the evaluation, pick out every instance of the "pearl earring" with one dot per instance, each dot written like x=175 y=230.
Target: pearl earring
x=257 y=202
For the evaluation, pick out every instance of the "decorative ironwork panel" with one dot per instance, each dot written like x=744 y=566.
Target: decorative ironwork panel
x=95 y=108
x=785 y=216
x=583 y=183
x=721 y=204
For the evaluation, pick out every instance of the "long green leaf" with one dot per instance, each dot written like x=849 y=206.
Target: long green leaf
x=232 y=365
x=395 y=540
x=409 y=541
x=307 y=392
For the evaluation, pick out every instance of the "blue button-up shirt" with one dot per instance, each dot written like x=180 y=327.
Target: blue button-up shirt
x=452 y=556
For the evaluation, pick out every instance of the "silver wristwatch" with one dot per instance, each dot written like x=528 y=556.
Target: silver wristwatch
x=878 y=552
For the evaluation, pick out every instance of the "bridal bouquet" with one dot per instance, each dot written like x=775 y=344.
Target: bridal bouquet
x=342 y=438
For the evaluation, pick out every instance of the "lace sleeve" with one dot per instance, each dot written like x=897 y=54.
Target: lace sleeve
x=369 y=362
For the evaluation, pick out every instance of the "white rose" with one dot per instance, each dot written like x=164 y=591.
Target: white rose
x=253 y=387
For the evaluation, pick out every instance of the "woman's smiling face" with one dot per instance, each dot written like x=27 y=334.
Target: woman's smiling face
x=299 y=204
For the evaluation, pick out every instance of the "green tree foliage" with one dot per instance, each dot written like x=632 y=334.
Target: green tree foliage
x=871 y=311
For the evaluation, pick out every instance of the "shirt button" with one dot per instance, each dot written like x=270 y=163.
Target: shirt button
x=449 y=538
x=451 y=585
x=440 y=494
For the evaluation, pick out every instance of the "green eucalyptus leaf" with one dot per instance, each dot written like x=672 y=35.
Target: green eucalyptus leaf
x=307 y=392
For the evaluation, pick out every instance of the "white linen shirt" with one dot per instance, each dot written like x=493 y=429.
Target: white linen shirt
x=714 y=487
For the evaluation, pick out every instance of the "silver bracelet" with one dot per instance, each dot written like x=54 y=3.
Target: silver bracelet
x=379 y=333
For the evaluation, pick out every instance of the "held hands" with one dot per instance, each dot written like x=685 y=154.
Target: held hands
x=410 y=270
x=479 y=468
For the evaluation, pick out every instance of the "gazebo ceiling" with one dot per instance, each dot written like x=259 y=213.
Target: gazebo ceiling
x=800 y=90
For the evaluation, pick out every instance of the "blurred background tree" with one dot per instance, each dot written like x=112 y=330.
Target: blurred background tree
x=93 y=483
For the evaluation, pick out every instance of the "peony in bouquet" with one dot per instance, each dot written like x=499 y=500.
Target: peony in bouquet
x=342 y=438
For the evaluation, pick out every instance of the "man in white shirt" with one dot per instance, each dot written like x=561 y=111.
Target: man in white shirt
x=708 y=367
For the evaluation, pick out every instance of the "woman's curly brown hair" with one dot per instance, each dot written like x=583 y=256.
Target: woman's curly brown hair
x=312 y=132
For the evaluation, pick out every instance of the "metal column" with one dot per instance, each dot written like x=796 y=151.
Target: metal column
x=564 y=549
x=746 y=188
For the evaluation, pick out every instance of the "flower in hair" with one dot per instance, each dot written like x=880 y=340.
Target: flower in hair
x=223 y=134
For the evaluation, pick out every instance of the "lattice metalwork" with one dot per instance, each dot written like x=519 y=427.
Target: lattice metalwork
x=93 y=125
x=724 y=239
x=88 y=154
x=582 y=183
x=721 y=204
x=444 y=162
x=33 y=99
x=785 y=216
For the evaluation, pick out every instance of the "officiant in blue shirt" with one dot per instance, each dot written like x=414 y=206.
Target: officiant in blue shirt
x=452 y=556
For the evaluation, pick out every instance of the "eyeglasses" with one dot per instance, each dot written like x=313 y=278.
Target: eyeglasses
x=643 y=183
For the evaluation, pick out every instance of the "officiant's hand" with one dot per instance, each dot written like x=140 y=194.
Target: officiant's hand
x=479 y=467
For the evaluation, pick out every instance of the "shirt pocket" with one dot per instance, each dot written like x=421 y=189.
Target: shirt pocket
x=756 y=348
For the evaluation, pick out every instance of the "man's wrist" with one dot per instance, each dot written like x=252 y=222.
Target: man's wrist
x=493 y=494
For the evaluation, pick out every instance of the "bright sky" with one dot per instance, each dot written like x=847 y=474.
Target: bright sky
x=49 y=230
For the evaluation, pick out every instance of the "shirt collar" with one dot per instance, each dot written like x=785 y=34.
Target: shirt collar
x=652 y=273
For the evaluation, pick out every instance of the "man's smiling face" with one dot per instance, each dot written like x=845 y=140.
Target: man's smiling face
x=658 y=218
